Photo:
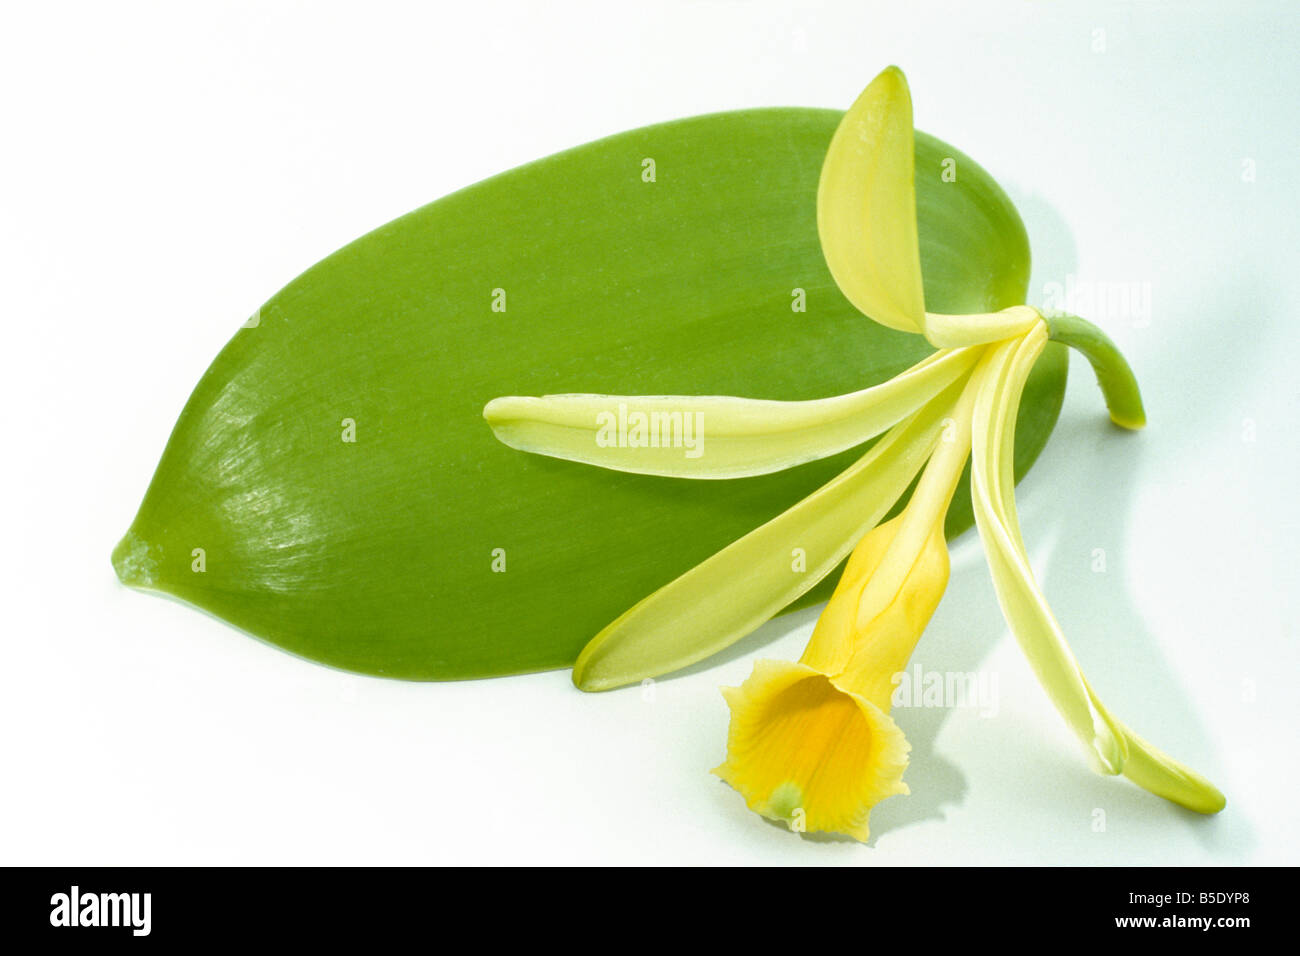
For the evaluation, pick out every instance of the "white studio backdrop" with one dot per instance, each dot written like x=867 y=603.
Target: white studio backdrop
x=165 y=168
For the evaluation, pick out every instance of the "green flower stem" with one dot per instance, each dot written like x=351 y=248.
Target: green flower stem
x=1114 y=375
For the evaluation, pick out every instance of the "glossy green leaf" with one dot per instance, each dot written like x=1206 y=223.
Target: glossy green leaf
x=424 y=548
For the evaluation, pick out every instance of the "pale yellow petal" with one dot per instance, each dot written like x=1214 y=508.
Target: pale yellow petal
x=866 y=206
x=897 y=574
x=955 y=331
x=715 y=436
x=1114 y=747
x=731 y=593
x=864 y=647
x=1023 y=603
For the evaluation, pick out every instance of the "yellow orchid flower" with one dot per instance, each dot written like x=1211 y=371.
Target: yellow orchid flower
x=812 y=742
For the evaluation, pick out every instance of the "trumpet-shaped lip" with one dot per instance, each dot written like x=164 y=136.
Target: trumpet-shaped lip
x=804 y=751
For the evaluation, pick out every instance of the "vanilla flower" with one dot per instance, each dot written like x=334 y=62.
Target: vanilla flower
x=813 y=741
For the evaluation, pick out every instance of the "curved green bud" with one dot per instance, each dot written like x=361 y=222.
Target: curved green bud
x=1118 y=384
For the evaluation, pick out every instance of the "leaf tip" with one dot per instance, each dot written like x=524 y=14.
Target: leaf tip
x=135 y=561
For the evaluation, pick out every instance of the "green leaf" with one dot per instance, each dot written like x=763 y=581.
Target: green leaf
x=427 y=549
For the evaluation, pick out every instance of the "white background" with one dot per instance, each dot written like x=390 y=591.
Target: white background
x=165 y=168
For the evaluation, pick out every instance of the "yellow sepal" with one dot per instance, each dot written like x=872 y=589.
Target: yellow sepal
x=866 y=206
